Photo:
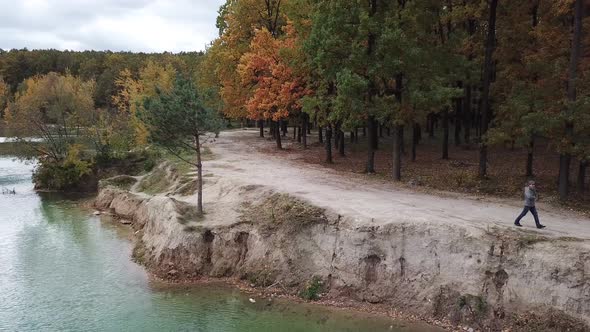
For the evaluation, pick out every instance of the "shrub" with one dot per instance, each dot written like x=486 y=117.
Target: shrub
x=312 y=289
x=62 y=175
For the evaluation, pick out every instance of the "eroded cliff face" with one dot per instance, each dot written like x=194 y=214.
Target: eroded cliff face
x=488 y=279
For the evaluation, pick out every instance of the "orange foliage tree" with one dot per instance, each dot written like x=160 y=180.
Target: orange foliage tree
x=276 y=87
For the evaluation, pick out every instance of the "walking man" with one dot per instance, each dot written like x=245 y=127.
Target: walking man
x=530 y=196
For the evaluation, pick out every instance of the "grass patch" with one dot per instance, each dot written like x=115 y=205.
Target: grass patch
x=124 y=182
x=182 y=166
x=187 y=172
x=187 y=188
x=528 y=241
x=155 y=182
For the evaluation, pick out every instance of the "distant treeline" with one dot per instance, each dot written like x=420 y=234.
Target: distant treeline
x=101 y=66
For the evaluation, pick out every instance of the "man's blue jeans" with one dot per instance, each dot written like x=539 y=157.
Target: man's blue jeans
x=525 y=211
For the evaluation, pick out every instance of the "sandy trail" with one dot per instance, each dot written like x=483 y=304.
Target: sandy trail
x=239 y=160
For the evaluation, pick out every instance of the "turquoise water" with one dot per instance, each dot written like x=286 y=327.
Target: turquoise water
x=62 y=269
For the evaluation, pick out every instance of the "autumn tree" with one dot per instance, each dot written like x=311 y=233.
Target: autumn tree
x=56 y=108
x=4 y=96
x=276 y=87
x=131 y=91
x=238 y=22
x=178 y=120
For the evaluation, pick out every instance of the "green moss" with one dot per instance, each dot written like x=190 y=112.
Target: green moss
x=139 y=253
x=477 y=304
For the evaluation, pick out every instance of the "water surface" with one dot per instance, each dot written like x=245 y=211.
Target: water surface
x=62 y=269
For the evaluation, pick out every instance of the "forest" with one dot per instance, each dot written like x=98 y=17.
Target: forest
x=477 y=74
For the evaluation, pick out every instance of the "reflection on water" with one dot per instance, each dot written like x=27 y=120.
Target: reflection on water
x=61 y=269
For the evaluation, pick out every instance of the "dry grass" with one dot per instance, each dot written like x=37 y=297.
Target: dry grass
x=281 y=210
x=156 y=182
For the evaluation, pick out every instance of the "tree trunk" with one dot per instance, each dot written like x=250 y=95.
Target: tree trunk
x=199 y=176
x=375 y=135
x=321 y=134
x=415 y=139
x=487 y=76
x=403 y=140
x=397 y=153
x=467 y=114
x=419 y=133
x=261 y=125
x=372 y=132
x=351 y=136
x=304 y=131
x=445 y=142
x=430 y=125
x=341 y=146
x=284 y=127
x=329 y=159
x=380 y=131
x=277 y=133
x=336 y=136
x=356 y=135
x=565 y=157
x=364 y=131
x=582 y=176
x=299 y=133
x=564 y=174
x=477 y=120
x=529 y=158
x=307 y=124
x=294 y=132
x=458 y=119
x=388 y=131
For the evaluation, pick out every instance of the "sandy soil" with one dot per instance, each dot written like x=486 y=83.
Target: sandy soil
x=238 y=159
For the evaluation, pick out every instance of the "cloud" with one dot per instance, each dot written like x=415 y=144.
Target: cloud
x=116 y=25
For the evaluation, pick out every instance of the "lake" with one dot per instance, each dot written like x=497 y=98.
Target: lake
x=62 y=269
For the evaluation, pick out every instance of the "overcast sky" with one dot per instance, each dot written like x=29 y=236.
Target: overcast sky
x=117 y=25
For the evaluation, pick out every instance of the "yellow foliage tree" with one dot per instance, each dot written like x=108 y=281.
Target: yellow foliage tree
x=4 y=95
x=131 y=92
x=56 y=108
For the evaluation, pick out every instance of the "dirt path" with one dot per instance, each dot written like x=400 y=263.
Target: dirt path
x=238 y=159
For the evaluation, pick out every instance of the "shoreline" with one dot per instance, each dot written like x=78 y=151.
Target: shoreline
x=273 y=292
x=340 y=303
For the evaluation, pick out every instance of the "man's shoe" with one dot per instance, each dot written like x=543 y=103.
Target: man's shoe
x=517 y=224
x=540 y=226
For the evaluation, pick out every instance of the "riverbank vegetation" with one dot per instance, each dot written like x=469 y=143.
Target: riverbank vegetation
x=77 y=142
x=400 y=88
